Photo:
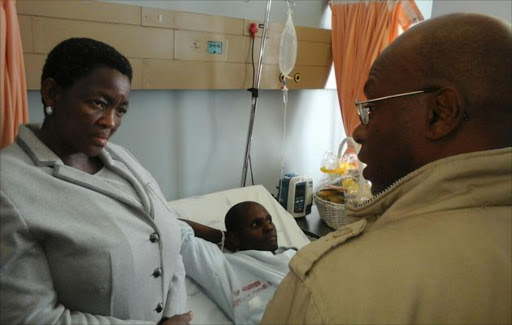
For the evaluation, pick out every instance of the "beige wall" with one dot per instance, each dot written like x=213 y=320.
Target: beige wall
x=167 y=48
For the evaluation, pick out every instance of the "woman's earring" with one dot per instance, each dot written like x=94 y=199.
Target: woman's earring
x=48 y=110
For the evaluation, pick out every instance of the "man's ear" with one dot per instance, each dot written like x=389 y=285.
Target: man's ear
x=232 y=241
x=50 y=91
x=445 y=113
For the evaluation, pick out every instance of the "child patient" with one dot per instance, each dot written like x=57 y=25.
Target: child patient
x=242 y=272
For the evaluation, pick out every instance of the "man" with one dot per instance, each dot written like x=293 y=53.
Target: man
x=243 y=280
x=439 y=157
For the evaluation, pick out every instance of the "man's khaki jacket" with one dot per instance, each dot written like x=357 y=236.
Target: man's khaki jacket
x=439 y=252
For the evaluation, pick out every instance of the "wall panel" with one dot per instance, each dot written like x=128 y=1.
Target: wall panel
x=175 y=74
x=81 y=10
x=168 y=49
x=27 y=39
x=191 y=21
x=33 y=69
x=132 y=41
x=191 y=45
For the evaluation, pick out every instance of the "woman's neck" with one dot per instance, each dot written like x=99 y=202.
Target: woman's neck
x=78 y=160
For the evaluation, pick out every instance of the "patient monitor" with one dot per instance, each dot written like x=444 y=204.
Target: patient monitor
x=296 y=194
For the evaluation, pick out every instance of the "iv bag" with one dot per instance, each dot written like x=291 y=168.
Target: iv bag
x=288 y=47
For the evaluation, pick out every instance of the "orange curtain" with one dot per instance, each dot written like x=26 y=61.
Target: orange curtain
x=360 y=31
x=13 y=101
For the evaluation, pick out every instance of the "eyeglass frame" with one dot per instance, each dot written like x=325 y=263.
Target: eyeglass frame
x=365 y=110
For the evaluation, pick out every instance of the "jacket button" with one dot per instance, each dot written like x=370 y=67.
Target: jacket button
x=157 y=272
x=154 y=237
x=159 y=307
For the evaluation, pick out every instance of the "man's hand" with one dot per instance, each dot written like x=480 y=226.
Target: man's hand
x=205 y=232
x=181 y=319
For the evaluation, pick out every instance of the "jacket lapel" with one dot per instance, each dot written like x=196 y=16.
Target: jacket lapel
x=76 y=176
x=44 y=157
x=122 y=169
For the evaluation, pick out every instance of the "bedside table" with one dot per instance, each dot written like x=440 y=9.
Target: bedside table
x=312 y=225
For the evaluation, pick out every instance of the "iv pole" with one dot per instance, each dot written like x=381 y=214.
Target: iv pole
x=254 y=100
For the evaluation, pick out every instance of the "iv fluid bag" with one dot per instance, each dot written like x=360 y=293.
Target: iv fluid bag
x=288 y=47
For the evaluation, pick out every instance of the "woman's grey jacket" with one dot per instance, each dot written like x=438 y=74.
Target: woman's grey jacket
x=75 y=249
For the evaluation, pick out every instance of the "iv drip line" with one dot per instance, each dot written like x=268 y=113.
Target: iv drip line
x=285 y=100
x=287 y=58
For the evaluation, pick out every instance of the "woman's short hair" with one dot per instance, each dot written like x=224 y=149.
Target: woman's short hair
x=75 y=58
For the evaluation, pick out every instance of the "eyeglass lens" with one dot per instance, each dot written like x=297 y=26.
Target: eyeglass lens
x=363 y=113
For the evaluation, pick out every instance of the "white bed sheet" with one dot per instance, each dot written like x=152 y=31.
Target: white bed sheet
x=210 y=209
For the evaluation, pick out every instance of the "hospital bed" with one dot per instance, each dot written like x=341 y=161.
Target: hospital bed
x=210 y=209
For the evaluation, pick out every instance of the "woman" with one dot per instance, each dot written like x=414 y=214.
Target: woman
x=86 y=236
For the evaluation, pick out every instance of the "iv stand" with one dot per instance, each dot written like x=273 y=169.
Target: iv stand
x=254 y=100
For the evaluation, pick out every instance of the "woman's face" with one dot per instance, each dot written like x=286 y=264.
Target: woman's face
x=88 y=113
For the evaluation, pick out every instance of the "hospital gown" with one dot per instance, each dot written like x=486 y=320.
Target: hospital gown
x=240 y=283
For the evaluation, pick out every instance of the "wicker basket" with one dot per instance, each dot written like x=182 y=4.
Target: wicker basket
x=333 y=214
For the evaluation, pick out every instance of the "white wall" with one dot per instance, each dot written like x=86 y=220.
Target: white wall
x=498 y=8
x=193 y=142
x=425 y=6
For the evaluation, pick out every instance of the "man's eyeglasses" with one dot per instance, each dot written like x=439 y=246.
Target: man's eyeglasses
x=364 y=107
